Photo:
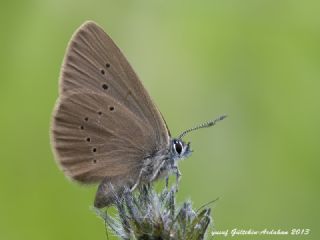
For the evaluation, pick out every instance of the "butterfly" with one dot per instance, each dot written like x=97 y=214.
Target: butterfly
x=105 y=127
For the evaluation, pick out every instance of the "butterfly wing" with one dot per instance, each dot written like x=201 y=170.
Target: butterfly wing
x=105 y=123
x=92 y=138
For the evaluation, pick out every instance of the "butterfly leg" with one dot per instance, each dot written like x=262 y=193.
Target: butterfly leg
x=157 y=171
x=141 y=178
x=178 y=176
x=148 y=174
x=137 y=182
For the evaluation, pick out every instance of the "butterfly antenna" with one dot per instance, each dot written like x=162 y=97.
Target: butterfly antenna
x=203 y=125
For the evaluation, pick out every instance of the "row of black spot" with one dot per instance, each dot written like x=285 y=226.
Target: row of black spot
x=105 y=86
x=111 y=108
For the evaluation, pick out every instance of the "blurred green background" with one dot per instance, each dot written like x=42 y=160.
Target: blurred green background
x=257 y=61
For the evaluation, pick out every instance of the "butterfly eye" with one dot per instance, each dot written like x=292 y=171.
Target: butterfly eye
x=177 y=146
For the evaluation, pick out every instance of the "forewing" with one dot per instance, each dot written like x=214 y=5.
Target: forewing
x=95 y=136
x=94 y=62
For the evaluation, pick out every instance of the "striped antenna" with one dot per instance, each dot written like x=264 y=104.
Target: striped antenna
x=203 y=125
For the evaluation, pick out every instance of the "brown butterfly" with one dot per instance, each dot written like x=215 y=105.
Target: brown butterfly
x=105 y=127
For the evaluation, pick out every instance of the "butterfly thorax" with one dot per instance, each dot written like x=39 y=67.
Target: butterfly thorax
x=165 y=161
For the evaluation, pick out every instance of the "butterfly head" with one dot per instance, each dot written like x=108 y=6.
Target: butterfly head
x=180 y=149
